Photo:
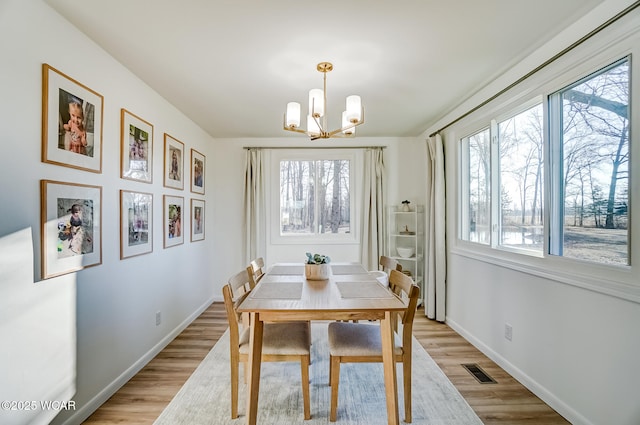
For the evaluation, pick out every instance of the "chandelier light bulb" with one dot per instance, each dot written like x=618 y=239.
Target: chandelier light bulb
x=346 y=123
x=316 y=102
x=354 y=109
x=293 y=115
x=312 y=125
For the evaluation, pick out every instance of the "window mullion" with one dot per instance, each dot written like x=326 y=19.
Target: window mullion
x=495 y=184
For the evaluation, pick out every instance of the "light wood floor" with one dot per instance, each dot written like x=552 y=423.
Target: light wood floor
x=143 y=398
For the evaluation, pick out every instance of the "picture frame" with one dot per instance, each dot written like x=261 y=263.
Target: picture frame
x=71 y=122
x=173 y=220
x=197 y=220
x=136 y=223
x=136 y=147
x=197 y=172
x=173 y=162
x=71 y=227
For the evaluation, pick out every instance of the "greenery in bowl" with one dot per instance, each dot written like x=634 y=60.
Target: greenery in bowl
x=317 y=259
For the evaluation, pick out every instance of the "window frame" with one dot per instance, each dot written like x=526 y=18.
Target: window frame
x=273 y=223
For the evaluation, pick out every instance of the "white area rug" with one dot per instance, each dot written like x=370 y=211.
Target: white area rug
x=205 y=397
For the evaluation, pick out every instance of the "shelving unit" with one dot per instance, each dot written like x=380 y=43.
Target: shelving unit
x=406 y=230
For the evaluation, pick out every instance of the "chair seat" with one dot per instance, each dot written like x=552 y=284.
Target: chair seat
x=287 y=338
x=358 y=339
x=381 y=277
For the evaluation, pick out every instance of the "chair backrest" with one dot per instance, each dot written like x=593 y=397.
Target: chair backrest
x=234 y=292
x=402 y=284
x=256 y=271
x=389 y=263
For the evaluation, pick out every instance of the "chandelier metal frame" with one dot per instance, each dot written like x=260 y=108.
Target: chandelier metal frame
x=352 y=117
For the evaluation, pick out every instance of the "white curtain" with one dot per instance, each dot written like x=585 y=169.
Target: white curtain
x=254 y=205
x=436 y=258
x=372 y=244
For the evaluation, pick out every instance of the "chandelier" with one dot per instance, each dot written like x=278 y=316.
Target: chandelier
x=317 y=118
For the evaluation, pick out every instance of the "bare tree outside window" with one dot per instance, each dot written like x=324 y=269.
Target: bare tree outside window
x=476 y=225
x=315 y=197
x=595 y=146
x=521 y=180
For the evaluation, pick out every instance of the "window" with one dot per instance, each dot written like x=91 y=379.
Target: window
x=315 y=197
x=517 y=176
x=503 y=168
x=521 y=180
x=591 y=142
x=476 y=222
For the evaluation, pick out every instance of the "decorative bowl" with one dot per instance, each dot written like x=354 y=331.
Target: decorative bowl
x=405 y=252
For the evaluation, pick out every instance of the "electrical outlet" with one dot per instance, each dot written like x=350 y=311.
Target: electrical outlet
x=508 y=331
x=158 y=318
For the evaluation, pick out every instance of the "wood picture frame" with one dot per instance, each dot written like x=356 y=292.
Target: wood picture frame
x=136 y=148
x=173 y=220
x=197 y=220
x=71 y=122
x=136 y=223
x=173 y=162
x=198 y=162
x=71 y=227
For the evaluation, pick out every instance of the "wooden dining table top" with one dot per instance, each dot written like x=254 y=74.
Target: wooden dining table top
x=351 y=292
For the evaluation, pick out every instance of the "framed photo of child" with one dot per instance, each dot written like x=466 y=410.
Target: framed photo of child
x=173 y=162
x=136 y=223
x=197 y=172
x=71 y=122
x=173 y=220
x=71 y=227
x=136 y=147
x=197 y=220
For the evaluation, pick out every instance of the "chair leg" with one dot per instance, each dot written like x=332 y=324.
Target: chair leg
x=234 y=388
x=334 y=379
x=406 y=374
x=304 y=368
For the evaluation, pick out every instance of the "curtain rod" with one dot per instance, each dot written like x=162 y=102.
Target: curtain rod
x=544 y=64
x=311 y=147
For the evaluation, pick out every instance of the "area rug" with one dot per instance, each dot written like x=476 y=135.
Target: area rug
x=205 y=397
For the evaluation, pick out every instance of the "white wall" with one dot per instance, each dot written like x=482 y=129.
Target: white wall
x=117 y=301
x=575 y=327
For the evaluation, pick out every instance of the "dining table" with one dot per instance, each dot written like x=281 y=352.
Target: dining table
x=350 y=293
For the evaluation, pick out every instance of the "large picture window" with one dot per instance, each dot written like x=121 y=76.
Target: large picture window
x=315 y=197
x=591 y=142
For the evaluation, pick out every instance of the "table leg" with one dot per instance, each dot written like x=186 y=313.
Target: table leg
x=253 y=367
x=389 y=364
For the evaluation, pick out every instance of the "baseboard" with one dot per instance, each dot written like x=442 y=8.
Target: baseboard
x=535 y=387
x=92 y=405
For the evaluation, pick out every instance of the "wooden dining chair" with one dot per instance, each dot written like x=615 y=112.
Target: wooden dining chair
x=282 y=342
x=386 y=264
x=361 y=342
x=256 y=271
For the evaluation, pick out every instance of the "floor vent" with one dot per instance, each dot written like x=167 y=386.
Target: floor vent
x=479 y=374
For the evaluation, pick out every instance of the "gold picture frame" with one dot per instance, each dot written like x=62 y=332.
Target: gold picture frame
x=197 y=220
x=198 y=168
x=71 y=227
x=173 y=220
x=136 y=148
x=136 y=223
x=173 y=162
x=71 y=122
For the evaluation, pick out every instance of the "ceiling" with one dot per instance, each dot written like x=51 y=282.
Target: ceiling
x=232 y=65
